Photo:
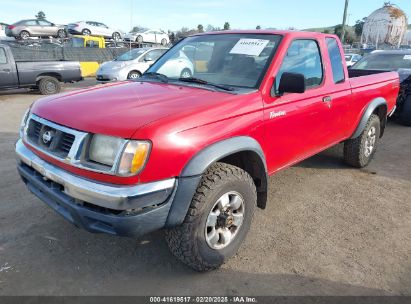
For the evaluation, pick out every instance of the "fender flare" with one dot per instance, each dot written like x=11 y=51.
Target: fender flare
x=209 y=155
x=372 y=106
x=191 y=174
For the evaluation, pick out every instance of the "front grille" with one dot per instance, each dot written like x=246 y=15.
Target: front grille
x=51 y=139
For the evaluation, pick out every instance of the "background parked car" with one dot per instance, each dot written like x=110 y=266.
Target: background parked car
x=92 y=28
x=25 y=29
x=130 y=65
x=390 y=60
x=149 y=36
x=2 y=30
x=352 y=59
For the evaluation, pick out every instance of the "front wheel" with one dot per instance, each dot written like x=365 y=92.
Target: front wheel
x=116 y=36
x=139 y=39
x=86 y=32
x=134 y=75
x=164 y=42
x=358 y=152
x=186 y=73
x=218 y=219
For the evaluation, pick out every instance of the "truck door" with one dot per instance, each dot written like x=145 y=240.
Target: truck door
x=342 y=113
x=294 y=123
x=8 y=77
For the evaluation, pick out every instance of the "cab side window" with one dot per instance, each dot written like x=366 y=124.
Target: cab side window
x=3 y=57
x=336 y=60
x=303 y=57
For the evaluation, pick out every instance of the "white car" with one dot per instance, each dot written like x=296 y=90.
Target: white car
x=352 y=59
x=148 y=36
x=130 y=65
x=92 y=28
x=178 y=66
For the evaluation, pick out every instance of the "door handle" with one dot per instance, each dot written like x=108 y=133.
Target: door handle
x=6 y=70
x=327 y=99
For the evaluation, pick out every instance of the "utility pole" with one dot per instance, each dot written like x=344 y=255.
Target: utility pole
x=344 y=21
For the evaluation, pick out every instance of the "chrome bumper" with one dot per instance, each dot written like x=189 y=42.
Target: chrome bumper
x=99 y=194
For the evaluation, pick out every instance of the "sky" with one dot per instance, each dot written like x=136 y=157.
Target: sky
x=174 y=14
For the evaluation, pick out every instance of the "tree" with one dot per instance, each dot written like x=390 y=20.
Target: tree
x=326 y=31
x=258 y=27
x=226 y=26
x=137 y=29
x=172 y=37
x=41 y=15
x=200 y=28
x=359 y=26
x=348 y=37
x=209 y=28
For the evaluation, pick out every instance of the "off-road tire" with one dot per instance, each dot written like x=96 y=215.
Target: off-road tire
x=355 y=149
x=188 y=242
x=49 y=85
x=405 y=116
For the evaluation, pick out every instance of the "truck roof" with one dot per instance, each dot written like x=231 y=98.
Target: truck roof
x=270 y=32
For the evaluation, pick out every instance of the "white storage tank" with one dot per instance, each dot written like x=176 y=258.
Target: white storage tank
x=386 y=26
x=408 y=38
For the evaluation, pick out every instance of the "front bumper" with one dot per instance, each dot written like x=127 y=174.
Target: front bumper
x=96 y=207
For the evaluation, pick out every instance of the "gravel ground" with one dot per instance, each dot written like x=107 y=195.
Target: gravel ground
x=328 y=230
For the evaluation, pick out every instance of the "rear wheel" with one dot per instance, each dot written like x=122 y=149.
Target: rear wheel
x=134 y=75
x=164 y=42
x=218 y=220
x=405 y=116
x=24 y=35
x=358 y=152
x=139 y=39
x=86 y=32
x=61 y=34
x=49 y=85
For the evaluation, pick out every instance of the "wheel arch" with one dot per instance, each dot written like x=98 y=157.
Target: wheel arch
x=241 y=151
x=377 y=106
x=51 y=74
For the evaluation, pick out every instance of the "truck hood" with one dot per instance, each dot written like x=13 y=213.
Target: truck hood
x=120 y=109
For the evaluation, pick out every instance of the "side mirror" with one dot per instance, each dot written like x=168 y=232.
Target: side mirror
x=291 y=83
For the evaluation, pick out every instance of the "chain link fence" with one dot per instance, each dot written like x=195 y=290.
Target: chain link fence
x=55 y=52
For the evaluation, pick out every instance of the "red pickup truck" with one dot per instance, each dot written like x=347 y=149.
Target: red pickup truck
x=191 y=153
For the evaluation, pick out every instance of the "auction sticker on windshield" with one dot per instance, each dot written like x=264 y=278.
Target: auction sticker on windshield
x=251 y=47
x=407 y=57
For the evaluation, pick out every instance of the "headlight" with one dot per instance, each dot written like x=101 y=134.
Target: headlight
x=134 y=157
x=24 y=121
x=104 y=149
x=125 y=157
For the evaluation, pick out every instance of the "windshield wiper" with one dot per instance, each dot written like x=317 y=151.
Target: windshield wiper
x=159 y=76
x=201 y=81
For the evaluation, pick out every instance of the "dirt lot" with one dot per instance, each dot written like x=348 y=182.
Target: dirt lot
x=328 y=230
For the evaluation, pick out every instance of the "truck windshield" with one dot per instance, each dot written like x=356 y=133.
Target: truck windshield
x=234 y=60
x=384 y=62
